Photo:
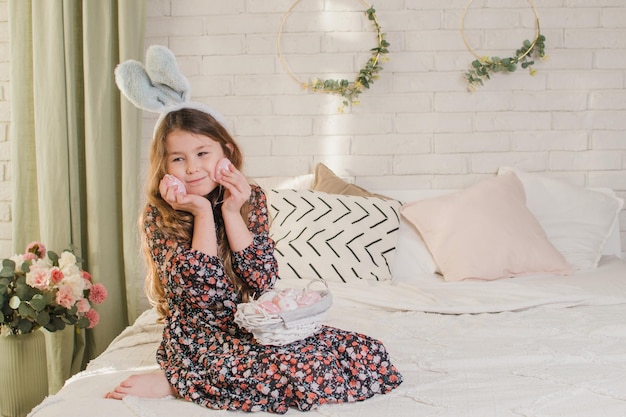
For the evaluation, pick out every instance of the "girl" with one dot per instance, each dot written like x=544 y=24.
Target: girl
x=209 y=249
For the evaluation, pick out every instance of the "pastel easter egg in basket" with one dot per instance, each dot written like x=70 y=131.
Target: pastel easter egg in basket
x=287 y=303
x=308 y=297
x=269 y=307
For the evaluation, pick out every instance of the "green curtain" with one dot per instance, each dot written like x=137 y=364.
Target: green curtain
x=76 y=154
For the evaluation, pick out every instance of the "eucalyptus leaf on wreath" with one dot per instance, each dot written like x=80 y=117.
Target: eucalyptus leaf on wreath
x=483 y=67
x=348 y=90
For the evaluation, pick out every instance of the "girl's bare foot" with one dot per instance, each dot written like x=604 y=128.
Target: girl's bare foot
x=148 y=385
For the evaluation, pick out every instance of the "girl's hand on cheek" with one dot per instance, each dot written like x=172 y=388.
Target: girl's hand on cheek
x=237 y=189
x=190 y=203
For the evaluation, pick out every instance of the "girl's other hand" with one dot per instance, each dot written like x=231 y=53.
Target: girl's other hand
x=178 y=185
x=237 y=189
x=221 y=166
x=171 y=192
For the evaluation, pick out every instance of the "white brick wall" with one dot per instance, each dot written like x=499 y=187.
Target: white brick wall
x=417 y=126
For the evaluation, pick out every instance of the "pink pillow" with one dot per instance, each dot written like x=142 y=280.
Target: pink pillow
x=485 y=232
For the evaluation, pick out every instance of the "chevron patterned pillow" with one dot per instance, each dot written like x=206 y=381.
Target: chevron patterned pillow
x=337 y=237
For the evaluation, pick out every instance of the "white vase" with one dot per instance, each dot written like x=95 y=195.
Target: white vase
x=23 y=373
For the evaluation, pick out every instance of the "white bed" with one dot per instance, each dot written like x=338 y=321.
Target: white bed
x=534 y=345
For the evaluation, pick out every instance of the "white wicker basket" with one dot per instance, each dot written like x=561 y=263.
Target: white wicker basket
x=285 y=327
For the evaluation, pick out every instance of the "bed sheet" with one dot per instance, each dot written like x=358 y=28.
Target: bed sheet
x=553 y=348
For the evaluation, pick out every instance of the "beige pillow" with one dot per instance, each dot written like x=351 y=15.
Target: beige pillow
x=327 y=181
x=485 y=232
x=301 y=182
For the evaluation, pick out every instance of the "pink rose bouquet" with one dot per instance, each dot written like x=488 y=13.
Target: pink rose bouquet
x=39 y=288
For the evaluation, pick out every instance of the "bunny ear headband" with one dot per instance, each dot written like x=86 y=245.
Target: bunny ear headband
x=158 y=87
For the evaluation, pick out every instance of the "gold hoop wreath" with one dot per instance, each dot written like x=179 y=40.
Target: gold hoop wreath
x=349 y=90
x=483 y=66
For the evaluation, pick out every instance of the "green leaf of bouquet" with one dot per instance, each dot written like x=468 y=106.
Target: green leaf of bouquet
x=38 y=302
x=7 y=310
x=23 y=290
x=58 y=310
x=48 y=298
x=53 y=257
x=8 y=268
x=7 y=273
x=7 y=262
x=24 y=326
x=25 y=310
x=43 y=318
x=57 y=324
x=4 y=285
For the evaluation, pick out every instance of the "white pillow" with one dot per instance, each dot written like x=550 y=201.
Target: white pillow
x=412 y=260
x=337 y=237
x=484 y=232
x=577 y=221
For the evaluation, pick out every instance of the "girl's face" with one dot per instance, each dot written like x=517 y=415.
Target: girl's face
x=192 y=159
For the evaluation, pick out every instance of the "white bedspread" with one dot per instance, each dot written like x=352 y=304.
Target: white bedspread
x=530 y=346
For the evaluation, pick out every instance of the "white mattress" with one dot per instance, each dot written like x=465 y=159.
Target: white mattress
x=527 y=346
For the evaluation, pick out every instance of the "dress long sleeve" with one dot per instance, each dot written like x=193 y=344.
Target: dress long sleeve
x=256 y=264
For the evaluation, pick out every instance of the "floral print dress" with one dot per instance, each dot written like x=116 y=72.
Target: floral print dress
x=209 y=360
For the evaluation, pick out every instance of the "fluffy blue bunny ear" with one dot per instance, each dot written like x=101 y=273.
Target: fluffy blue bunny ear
x=163 y=70
x=159 y=87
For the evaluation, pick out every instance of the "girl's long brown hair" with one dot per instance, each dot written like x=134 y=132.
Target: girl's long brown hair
x=178 y=225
